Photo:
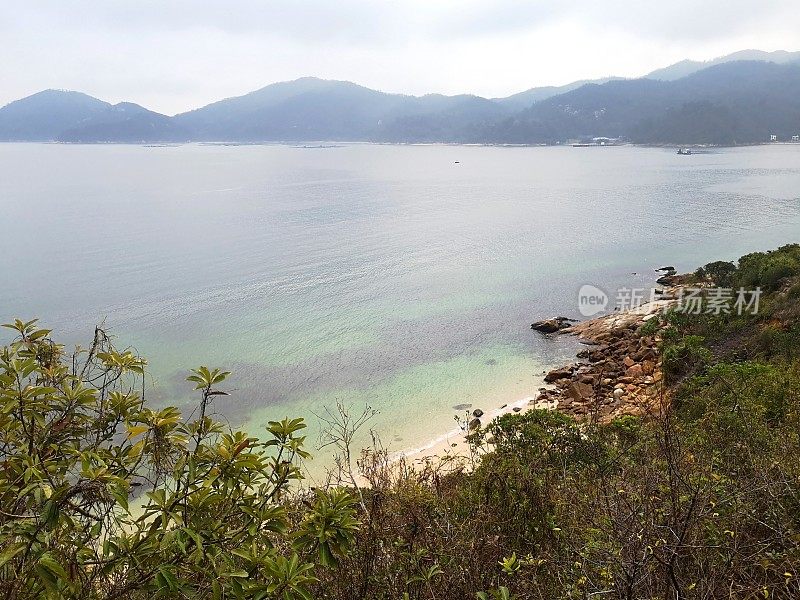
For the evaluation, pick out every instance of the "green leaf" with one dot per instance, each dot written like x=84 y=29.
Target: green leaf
x=238 y=573
x=10 y=552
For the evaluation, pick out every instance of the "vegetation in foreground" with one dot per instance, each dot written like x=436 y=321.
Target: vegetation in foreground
x=700 y=499
x=103 y=497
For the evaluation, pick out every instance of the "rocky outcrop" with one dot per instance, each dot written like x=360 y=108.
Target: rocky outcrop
x=668 y=279
x=619 y=377
x=552 y=325
x=619 y=373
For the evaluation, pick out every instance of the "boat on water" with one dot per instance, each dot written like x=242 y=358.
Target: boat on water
x=684 y=151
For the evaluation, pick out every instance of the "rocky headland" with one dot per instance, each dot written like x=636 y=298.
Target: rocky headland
x=619 y=372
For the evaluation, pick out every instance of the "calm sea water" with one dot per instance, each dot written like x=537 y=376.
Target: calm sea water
x=389 y=275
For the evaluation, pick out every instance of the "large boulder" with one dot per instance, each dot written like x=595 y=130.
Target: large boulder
x=580 y=391
x=669 y=279
x=552 y=325
x=562 y=373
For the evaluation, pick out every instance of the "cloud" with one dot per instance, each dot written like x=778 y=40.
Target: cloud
x=172 y=55
x=379 y=21
x=356 y=21
x=673 y=20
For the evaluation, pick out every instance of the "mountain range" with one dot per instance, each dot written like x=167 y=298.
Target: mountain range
x=741 y=98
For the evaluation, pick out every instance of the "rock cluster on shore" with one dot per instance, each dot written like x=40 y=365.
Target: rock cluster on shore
x=614 y=378
x=619 y=373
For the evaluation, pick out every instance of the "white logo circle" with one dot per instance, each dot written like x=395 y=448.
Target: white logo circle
x=591 y=300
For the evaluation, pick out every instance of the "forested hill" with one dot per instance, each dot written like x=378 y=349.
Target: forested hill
x=739 y=102
x=732 y=103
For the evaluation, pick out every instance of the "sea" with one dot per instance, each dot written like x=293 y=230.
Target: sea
x=399 y=277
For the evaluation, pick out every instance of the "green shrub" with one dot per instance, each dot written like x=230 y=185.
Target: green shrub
x=720 y=272
x=768 y=269
x=685 y=355
x=103 y=497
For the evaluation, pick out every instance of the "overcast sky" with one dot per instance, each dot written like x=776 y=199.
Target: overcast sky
x=173 y=55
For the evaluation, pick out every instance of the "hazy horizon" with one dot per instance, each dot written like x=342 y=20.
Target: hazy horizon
x=178 y=55
x=387 y=91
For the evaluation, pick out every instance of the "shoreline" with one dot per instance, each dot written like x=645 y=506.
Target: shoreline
x=324 y=144
x=453 y=442
x=616 y=358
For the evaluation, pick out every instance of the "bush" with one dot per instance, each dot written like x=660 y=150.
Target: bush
x=684 y=356
x=720 y=272
x=103 y=497
x=769 y=269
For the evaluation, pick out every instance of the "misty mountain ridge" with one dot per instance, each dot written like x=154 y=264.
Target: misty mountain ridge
x=720 y=102
x=731 y=103
x=310 y=108
x=62 y=115
x=685 y=68
x=524 y=99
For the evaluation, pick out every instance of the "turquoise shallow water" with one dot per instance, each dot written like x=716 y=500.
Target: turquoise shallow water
x=383 y=274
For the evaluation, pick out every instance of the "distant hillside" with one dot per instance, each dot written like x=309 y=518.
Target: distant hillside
x=524 y=99
x=732 y=103
x=127 y=123
x=44 y=116
x=304 y=109
x=317 y=109
x=435 y=118
x=55 y=115
x=685 y=68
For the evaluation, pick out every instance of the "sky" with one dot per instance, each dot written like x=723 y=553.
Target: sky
x=175 y=55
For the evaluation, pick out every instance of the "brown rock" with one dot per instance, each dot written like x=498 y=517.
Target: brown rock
x=597 y=355
x=628 y=361
x=648 y=354
x=552 y=325
x=634 y=372
x=556 y=374
x=648 y=367
x=580 y=391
